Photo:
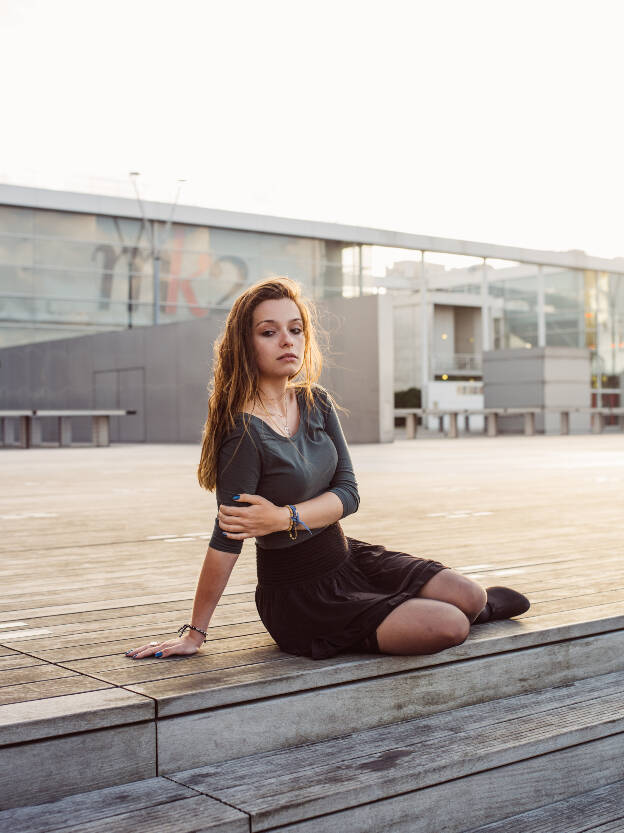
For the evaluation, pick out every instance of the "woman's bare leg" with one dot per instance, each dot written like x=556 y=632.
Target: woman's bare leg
x=422 y=626
x=464 y=593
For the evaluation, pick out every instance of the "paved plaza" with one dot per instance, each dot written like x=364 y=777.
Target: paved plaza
x=101 y=549
x=88 y=529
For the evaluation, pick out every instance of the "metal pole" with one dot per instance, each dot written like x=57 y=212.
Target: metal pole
x=156 y=285
x=156 y=244
x=541 y=314
x=424 y=335
x=485 y=309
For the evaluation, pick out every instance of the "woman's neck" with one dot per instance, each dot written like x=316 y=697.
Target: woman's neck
x=272 y=391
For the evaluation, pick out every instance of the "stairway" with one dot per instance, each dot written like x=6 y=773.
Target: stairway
x=519 y=729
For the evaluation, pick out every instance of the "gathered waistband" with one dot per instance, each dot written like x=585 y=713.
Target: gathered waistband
x=310 y=558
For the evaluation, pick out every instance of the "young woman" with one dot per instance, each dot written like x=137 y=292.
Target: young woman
x=274 y=450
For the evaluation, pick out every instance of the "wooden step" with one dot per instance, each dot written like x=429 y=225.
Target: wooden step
x=61 y=745
x=210 y=717
x=446 y=772
x=155 y=805
x=184 y=713
x=596 y=811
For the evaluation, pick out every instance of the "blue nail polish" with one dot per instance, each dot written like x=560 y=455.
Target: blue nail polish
x=223 y=533
x=236 y=497
x=158 y=654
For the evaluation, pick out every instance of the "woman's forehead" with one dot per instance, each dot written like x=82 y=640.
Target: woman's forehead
x=276 y=309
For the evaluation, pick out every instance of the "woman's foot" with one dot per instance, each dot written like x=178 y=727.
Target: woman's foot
x=502 y=603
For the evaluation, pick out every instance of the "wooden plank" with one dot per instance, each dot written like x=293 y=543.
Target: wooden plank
x=201 y=737
x=63 y=765
x=130 y=671
x=262 y=768
x=17 y=660
x=191 y=815
x=223 y=613
x=151 y=806
x=109 y=616
x=208 y=690
x=208 y=651
x=32 y=674
x=21 y=722
x=50 y=688
x=589 y=812
x=66 y=635
x=5 y=651
x=319 y=788
x=457 y=805
x=217 y=635
x=133 y=603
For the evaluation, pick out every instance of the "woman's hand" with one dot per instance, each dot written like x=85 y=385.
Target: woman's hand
x=261 y=518
x=185 y=645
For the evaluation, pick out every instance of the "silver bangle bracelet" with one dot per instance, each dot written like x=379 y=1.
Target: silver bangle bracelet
x=193 y=628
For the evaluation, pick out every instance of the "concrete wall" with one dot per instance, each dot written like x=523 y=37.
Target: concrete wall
x=539 y=377
x=163 y=373
x=360 y=365
x=467 y=330
x=443 y=324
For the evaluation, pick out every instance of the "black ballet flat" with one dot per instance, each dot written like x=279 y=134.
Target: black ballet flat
x=502 y=603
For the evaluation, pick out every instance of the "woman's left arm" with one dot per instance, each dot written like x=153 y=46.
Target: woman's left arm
x=263 y=517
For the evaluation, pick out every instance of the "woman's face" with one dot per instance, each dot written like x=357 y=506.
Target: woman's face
x=277 y=338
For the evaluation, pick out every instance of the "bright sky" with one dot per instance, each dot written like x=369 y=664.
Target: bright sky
x=491 y=120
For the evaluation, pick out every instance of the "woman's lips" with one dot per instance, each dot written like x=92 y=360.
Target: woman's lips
x=287 y=359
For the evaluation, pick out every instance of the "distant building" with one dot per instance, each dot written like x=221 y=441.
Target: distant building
x=74 y=264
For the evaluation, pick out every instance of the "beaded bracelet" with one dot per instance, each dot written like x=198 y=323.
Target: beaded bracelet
x=193 y=628
x=294 y=520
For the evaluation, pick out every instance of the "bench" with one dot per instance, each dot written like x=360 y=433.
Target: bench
x=491 y=415
x=29 y=427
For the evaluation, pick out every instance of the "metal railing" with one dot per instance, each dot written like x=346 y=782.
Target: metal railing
x=453 y=362
x=598 y=417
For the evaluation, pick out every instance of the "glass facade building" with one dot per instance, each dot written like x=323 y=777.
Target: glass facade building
x=67 y=272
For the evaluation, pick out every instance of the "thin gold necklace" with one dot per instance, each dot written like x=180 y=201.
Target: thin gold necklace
x=281 y=428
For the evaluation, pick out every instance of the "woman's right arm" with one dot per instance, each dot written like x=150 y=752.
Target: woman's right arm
x=213 y=578
x=239 y=471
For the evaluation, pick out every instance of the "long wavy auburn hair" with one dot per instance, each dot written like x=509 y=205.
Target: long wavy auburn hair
x=236 y=379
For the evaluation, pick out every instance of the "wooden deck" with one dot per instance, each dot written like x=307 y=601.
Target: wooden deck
x=101 y=551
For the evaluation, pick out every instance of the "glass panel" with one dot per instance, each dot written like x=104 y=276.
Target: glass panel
x=16 y=280
x=17 y=220
x=609 y=300
x=16 y=250
x=567 y=324
x=121 y=231
x=453 y=273
x=65 y=224
x=513 y=299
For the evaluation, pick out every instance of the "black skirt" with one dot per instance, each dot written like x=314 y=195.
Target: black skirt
x=328 y=594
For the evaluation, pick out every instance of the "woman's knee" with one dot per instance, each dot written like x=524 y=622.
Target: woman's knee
x=422 y=627
x=476 y=597
x=464 y=593
x=456 y=628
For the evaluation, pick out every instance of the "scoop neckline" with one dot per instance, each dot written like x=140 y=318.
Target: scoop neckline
x=301 y=404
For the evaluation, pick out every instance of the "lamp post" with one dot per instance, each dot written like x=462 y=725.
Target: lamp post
x=156 y=243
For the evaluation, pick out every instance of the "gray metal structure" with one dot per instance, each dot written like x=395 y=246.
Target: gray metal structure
x=542 y=377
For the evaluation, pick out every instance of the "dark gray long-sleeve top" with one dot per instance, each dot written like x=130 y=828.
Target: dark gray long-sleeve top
x=255 y=459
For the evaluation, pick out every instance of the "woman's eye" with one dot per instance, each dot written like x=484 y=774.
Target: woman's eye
x=267 y=333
